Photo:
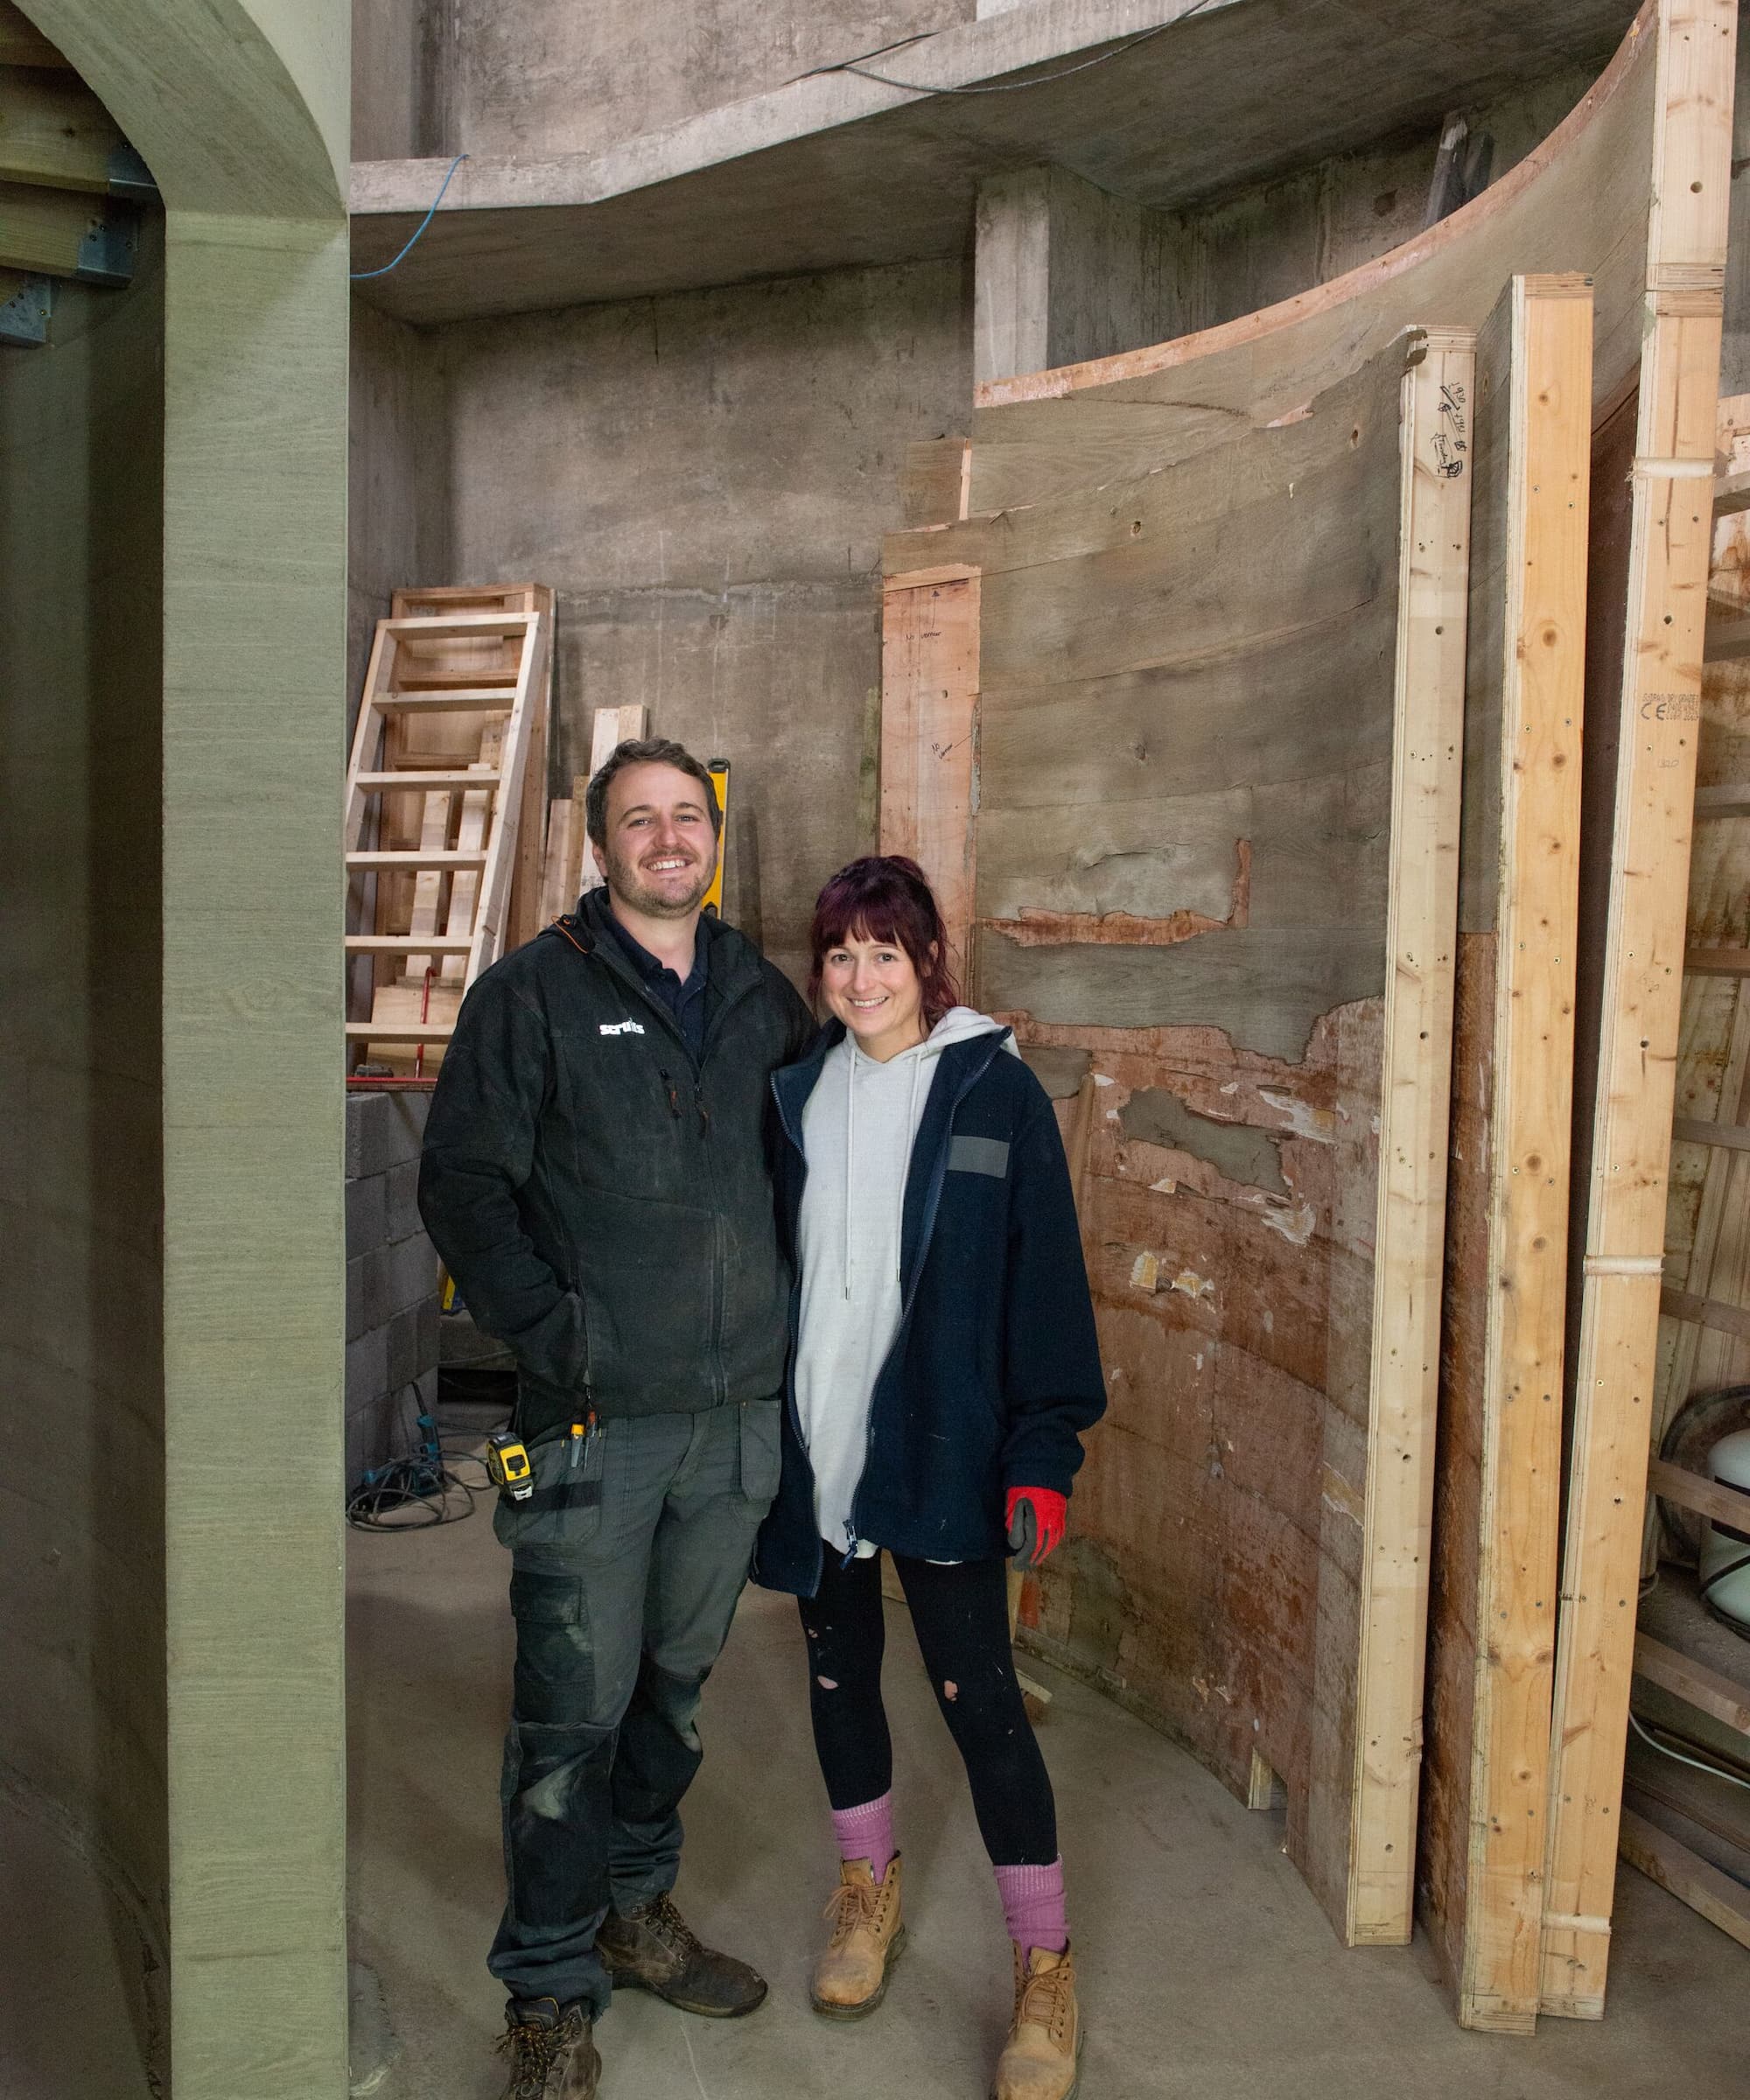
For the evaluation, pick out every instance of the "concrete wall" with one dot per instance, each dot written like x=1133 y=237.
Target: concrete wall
x=1067 y=273
x=391 y=1281
x=398 y=484
x=705 y=479
x=81 y=1168
x=571 y=76
x=1235 y=254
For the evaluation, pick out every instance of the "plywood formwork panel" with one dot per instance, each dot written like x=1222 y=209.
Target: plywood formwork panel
x=1580 y=201
x=1212 y=837
x=1492 y=1631
x=1642 y=958
x=929 y=737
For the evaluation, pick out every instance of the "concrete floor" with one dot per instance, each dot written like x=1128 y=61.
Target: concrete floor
x=1208 y=1970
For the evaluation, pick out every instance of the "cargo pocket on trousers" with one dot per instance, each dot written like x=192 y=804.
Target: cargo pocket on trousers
x=565 y=1509
x=761 y=1448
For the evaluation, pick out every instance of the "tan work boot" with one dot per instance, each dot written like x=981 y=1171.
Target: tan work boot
x=868 y=1935
x=552 y=2051
x=1039 y=2061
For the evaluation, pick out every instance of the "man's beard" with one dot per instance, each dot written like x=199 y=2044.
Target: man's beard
x=621 y=874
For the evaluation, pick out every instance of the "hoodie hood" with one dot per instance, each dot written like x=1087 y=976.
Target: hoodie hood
x=958 y=1025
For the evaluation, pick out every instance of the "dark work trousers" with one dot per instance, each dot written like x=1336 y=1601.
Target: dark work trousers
x=960 y=1614
x=625 y=1572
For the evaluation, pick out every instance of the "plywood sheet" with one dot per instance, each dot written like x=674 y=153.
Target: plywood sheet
x=1580 y=201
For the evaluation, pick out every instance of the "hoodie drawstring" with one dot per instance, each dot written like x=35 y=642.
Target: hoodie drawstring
x=850 y=1160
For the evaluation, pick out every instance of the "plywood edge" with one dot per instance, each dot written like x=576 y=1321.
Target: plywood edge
x=930 y=739
x=1427 y=790
x=1466 y=224
x=1614 y=1371
x=1542 y=659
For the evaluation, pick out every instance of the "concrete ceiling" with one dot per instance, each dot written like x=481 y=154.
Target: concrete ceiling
x=835 y=168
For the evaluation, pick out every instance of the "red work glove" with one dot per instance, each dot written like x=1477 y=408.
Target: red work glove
x=1035 y=1518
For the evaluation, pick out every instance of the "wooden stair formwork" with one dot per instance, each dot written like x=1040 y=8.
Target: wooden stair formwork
x=1498 y=1486
x=1630 y=1113
x=445 y=790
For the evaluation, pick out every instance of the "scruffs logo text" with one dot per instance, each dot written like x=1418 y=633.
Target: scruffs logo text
x=622 y=1027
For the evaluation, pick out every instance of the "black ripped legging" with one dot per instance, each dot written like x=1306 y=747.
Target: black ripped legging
x=961 y=1616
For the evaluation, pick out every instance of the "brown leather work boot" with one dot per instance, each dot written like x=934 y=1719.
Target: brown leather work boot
x=654 y=1949
x=868 y=1936
x=1039 y=2061
x=552 y=2053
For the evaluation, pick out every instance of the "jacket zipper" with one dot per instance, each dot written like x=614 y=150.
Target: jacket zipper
x=925 y=1239
x=719 y=1246
x=925 y=1236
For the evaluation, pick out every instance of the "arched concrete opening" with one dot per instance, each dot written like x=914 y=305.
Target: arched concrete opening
x=173 y=547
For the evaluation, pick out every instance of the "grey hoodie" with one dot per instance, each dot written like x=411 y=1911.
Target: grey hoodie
x=857 y=1132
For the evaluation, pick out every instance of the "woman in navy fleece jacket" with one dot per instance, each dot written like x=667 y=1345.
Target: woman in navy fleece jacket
x=944 y=1365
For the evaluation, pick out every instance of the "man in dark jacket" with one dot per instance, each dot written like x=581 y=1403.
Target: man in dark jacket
x=597 y=1177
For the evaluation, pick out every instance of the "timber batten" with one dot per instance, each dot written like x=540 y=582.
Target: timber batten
x=1659 y=709
x=1492 y=1628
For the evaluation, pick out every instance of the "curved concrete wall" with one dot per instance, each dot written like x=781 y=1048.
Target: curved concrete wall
x=82 y=1379
x=233 y=1310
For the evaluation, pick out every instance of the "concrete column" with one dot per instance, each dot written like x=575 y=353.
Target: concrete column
x=1062 y=273
x=1012 y=275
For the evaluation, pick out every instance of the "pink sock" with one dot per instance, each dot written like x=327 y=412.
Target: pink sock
x=867 y=1832
x=1033 y=1903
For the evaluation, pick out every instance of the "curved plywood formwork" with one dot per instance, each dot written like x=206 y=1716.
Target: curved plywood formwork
x=1179 y=828
x=1215 y=868
x=1579 y=202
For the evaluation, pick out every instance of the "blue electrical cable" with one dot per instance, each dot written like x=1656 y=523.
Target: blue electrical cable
x=357 y=274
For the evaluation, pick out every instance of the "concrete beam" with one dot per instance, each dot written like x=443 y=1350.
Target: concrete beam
x=1190 y=98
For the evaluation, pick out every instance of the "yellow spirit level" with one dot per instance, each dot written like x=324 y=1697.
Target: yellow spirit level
x=508 y=1465
x=712 y=900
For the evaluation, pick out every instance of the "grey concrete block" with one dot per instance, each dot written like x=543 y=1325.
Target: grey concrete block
x=398 y=1277
x=368 y=1435
x=383 y=1130
x=367 y=1368
x=412 y=1345
x=401 y=1202
x=355 y=1298
x=366 y=1214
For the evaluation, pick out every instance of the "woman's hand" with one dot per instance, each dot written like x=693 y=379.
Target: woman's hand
x=1035 y=1517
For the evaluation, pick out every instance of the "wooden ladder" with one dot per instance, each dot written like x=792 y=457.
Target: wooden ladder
x=448 y=757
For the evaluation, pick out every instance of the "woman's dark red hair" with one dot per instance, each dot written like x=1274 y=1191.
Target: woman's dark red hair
x=884 y=897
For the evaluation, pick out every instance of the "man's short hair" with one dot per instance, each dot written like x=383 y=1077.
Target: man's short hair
x=643 y=750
